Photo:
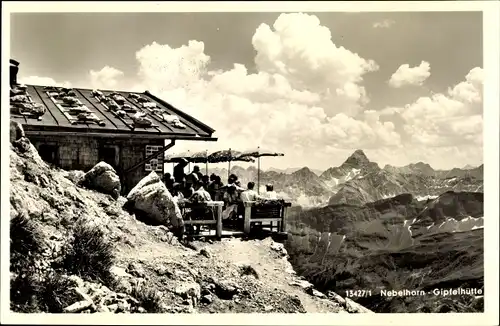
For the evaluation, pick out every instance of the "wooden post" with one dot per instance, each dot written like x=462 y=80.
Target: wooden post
x=258 y=175
x=218 y=231
x=285 y=215
x=206 y=162
x=229 y=165
x=248 y=216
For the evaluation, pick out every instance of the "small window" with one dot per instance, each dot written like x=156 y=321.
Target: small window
x=49 y=153
x=155 y=164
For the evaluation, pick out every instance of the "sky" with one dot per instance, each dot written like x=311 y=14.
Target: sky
x=403 y=87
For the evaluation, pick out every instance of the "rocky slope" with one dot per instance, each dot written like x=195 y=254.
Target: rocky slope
x=393 y=244
x=150 y=270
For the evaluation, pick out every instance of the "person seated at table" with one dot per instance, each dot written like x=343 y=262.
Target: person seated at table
x=231 y=201
x=200 y=194
x=232 y=179
x=250 y=194
x=196 y=170
x=214 y=187
x=169 y=181
x=177 y=192
x=188 y=190
x=192 y=178
x=206 y=181
x=270 y=194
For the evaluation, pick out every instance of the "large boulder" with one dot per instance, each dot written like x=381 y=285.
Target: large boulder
x=102 y=177
x=16 y=131
x=21 y=146
x=151 y=197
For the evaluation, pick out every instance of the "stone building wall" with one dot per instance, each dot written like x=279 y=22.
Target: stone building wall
x=82 y=153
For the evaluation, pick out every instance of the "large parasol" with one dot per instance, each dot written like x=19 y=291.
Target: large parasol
x=228 y=155
x=176 y=158
x=258 y=153
x=206 y=157
x=200 y=157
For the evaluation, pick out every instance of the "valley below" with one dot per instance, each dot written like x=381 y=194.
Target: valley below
x=394 y=239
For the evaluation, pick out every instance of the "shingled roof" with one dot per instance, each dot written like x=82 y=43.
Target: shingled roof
x=166 y=121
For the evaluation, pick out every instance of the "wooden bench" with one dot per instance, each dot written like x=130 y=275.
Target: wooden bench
x=262 y=212
x=214 y=218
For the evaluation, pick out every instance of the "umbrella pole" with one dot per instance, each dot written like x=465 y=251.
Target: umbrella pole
x=258 y=175
x=206 y=163
x=229 y=166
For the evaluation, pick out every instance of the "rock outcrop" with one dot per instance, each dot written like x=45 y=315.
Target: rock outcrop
x=92 y=297
x=150 y=197
x=16 y=131
x=102 y=177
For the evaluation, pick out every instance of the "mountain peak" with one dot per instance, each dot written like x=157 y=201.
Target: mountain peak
x=357 y=158
x=305 y=173
x=421 y=166
x=304 y=170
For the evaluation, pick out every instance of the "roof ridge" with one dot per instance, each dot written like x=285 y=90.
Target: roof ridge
x=179 y=112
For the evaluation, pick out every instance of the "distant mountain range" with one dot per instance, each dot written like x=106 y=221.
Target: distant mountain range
x=292 y=170
x=368 y=183
x=359 y=181
x=426 y=169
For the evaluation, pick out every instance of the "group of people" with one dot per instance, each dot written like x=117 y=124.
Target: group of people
x=193 y=186
x=198 y=187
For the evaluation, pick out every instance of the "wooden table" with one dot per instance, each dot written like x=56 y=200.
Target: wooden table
x=266 y=213
x=218 y=214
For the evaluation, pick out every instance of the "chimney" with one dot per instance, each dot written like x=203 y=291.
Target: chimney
x=14 y=69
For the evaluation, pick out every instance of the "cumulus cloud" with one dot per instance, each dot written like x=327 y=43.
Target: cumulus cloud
x=301 y=50
x=43 y=81
x=106 y=78
x=386 y=23
x=406 y=75
x=163 y=65
x=306 y=99
x=448 y=122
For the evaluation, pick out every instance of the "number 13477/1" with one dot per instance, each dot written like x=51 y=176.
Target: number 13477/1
x=358 y=293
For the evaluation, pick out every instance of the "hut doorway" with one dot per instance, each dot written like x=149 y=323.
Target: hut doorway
x=49 y=153
x=109 y=154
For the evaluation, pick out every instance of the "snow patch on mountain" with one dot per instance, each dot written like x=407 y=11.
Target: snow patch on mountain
x=424 y=198
x=452 y=225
